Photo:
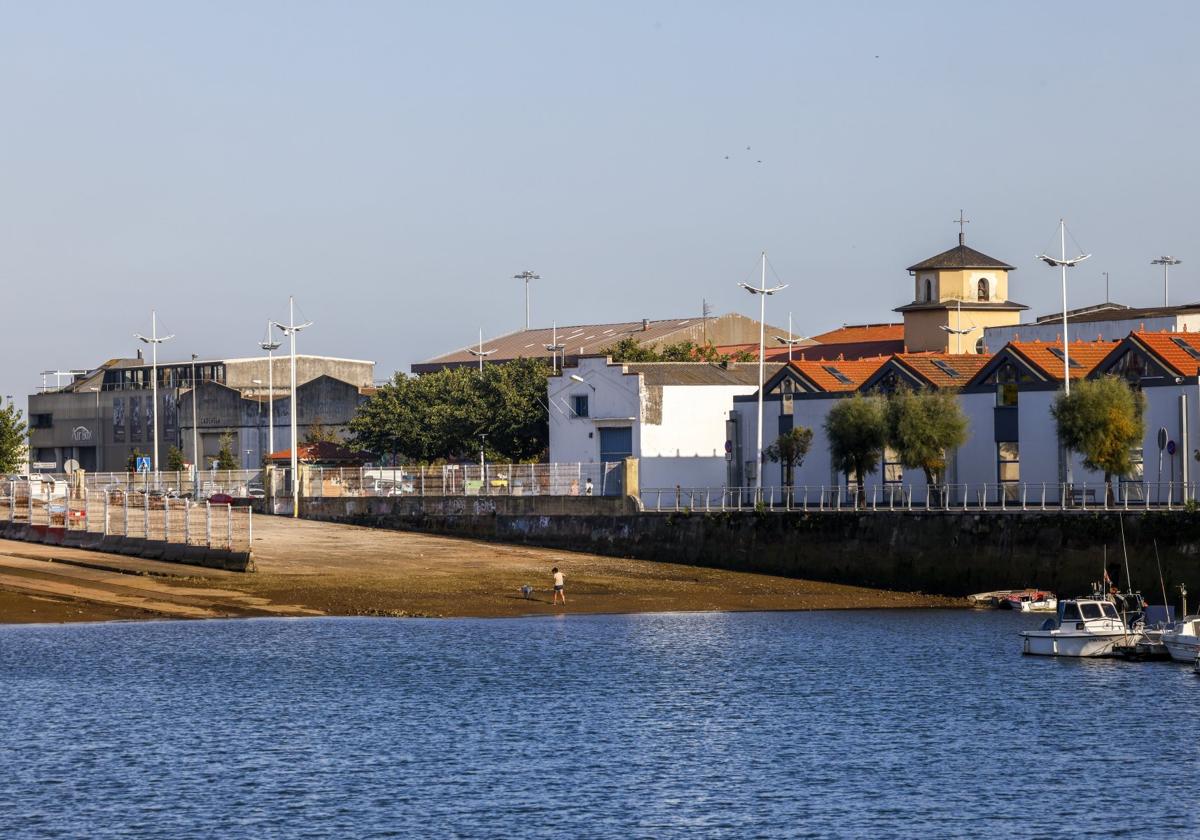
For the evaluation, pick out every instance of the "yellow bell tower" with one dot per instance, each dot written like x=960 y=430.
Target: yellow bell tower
x=955 y=295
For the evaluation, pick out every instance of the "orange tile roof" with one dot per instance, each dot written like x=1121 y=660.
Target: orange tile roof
x=935 y=368
x=1046 y=356
x=1167 y=347
x=854 y=333
x=822 y=373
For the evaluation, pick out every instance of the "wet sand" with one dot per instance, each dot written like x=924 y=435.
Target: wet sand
x=310 y=568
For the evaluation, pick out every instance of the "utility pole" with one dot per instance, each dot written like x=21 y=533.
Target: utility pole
x=290 y=329
x=1166 y=263
x=154 y=339
x=195 y=437
x=762 y=292
x=270 y=346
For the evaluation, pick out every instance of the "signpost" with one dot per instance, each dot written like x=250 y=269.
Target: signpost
x=143 y=464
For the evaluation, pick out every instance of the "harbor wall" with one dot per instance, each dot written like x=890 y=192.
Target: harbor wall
x=149 y=549
x=948 y=553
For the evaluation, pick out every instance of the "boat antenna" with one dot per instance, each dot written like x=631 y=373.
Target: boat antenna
x=1166 y=605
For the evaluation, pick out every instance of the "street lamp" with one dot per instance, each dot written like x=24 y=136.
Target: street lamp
x=1166 y=263
x=554 y=348
x=481 y=353
x=527 y=276
x=790 y=341
x=258 y=399
x=1064 y=263
x=762 y=293
x=270 y=346
x=290 y=329
x=99 y=436
x=154 y=339
x=195 y=436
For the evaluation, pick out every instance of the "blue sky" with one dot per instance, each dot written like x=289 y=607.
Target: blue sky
x=392 y=165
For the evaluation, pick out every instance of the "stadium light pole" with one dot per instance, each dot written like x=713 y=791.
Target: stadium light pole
x=1166 y=263
x=762 y=292
x=481 y=353
x=270 y=346
x=154 y=339
x=195 y=437
x=290 y=329
x=527 y=275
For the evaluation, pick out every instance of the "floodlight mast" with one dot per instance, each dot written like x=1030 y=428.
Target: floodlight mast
x=527 y=275
x=481 y=352
x=154 y=339
x=270 y=346
x=762 y=292
x=1064 y=263
x=790 y=341
x=1166 y=263
x=290 y=329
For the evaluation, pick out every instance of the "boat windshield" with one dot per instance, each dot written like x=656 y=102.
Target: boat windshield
x=1109 y=610
x=1090 y=610
x=1070 y=611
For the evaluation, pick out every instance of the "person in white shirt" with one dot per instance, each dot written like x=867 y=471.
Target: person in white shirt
x=558 y=586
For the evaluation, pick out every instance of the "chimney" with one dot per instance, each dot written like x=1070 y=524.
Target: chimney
x=141 y=358
x=645 y=324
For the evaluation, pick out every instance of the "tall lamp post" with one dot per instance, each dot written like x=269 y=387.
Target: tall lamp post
x=99 y=436
x=1063 y=263
x=481 y=353
x=762 y=292
x=195 y=436
x=1166 y=263
x=258 y=399
x=270 y=346
x=790 y=341
x=154 y=339
x=290 y=329
x=527 y=276
x=554 y=348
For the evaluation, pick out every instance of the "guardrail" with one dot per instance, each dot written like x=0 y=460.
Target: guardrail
x=151 y=517
x=991 y=497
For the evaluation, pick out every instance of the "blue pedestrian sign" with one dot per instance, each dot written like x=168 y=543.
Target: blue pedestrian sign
x=143 y=463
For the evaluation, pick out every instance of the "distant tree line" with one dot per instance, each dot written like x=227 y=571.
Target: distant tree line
x=630 y=350
x=445 y=416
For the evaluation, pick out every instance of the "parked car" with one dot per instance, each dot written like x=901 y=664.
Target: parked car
x=254 y=492
x=220 y=499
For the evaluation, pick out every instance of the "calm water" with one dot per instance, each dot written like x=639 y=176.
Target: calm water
x=817 y=724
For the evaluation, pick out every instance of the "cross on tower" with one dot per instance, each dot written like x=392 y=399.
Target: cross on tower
x=962 y=228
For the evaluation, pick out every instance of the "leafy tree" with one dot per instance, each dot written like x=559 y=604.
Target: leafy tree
x=226 y=459
x=174 y=459
x=790 y=449
x=131 y=464
x=922 y=427
x=629 y=350
x=1102 y=419
x=13 y=438
x=318 y=433
x=857 y=431
x=441 y=415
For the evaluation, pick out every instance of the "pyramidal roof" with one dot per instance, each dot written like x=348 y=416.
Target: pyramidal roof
x=960 y=256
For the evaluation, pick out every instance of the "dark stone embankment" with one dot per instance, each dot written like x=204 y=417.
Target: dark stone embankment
x=943 y=553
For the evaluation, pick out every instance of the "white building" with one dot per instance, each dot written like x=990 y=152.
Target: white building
x=671 y=416
x=1106 y=322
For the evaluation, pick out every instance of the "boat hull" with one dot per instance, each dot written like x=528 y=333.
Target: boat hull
x=1182 y=648
x=1081 y=645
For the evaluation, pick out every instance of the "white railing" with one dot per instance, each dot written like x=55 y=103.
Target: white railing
x=460 y=480
x=154 y=516
x=237 y=483
x=990 y=497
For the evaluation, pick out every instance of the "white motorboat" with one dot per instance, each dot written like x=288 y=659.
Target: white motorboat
x=1183 y=640
x=1047 y=604
x=1083 y=627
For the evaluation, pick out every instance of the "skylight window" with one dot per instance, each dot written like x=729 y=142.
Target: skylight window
x=1183 y=345
x=837 y=374
x=1058 y=354
x=946 y=369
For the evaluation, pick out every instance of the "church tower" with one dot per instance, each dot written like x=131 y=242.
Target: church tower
x=955 y=295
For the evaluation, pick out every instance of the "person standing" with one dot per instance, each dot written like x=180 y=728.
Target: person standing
x=558 y=587
x=587 y=488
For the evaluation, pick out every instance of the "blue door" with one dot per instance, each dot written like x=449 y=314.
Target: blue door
x=616 y=444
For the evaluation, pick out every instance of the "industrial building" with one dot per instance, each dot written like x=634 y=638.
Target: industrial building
x=105 y=415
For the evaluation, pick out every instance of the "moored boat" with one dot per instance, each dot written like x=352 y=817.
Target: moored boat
x=1082 y=627
x=1041 y=602
x=1183 y=640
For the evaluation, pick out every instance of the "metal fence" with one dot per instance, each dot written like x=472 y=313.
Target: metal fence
x=143 y=515
x=460 y=480
x=1081 y=497
x=240 y=484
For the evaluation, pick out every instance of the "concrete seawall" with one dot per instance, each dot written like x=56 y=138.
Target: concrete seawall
x=195 y=555
x=943 y=553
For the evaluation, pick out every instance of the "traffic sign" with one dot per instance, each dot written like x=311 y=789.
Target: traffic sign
x=143 y=463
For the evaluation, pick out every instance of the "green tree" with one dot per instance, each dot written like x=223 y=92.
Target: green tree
x=1103 y=420
x=318 y=433
x=226 y=459
x=922 y=427
x=13 y=439
x=857 y=431
x=174 y=459
x=131 y=464
x=631 y=350
x=789 y=449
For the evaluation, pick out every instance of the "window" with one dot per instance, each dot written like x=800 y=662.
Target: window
x=1008 y=462
x=984 y=290
x=1090 y=610
x=1057 y=353
x=893 y=473
x=980 y=348
x=1109 y=610
x=41 y=421
x=787 y=405
x=945 y=368
x=1185 y=346
x=1071 y=612
x=838 y=375
x=928 y=289
x=579 y=405
x=1006 y=385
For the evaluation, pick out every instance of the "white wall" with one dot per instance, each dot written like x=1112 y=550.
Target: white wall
x=997 y=337
x=693 y=420
x=615 y=401
x=658 y=472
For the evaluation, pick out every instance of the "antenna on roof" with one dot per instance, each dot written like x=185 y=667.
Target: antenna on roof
x=962 y=228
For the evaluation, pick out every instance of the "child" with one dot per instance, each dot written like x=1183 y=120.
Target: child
x=558 y=587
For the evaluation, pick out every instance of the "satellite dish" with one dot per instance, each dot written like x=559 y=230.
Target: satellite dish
x=71 y=465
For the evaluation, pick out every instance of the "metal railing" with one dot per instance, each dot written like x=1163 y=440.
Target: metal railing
x=989 y=497
x=237 y=483
x=594 y=479
x=134 y=514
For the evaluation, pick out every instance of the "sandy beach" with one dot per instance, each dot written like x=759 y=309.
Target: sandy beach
x=310 y=568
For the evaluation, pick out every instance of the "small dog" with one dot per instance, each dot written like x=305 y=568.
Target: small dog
x=527 y=591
